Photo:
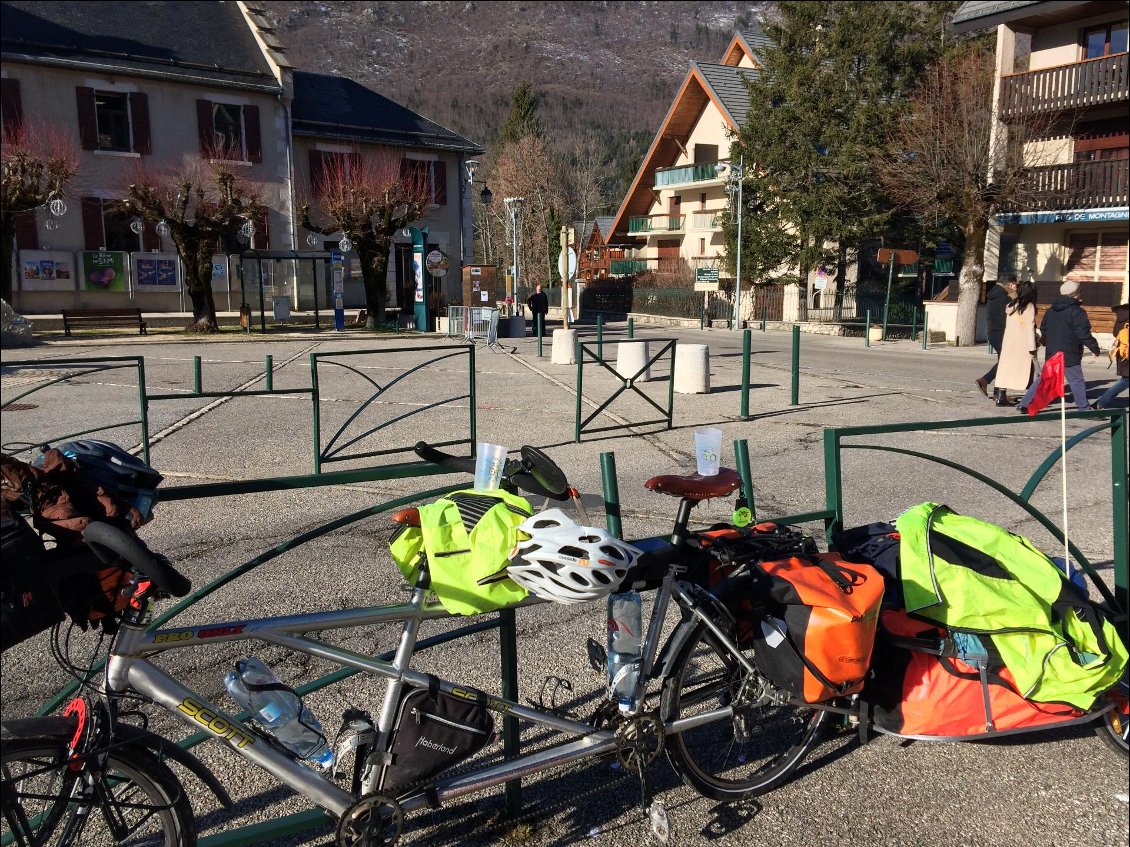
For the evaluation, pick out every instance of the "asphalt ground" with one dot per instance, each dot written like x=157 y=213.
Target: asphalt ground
x=1051 y=788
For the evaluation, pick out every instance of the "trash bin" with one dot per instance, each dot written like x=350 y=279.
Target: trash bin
x=282 y=307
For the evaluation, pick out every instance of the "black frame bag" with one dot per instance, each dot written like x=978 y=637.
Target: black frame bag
x=433 y=731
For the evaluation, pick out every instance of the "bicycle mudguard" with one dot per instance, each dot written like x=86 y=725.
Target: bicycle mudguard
x=683 y=629
x=61 y=729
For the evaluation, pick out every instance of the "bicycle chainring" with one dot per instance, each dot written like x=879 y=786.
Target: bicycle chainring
x=373 y=821
x=639 y=742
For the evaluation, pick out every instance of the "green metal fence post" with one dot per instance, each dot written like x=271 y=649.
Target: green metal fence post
x=796 y=366
x=262 y=302
x=540 y=331
x=600 y=336
x=631 y=328
x=269 y=372
x=746 y=335
x=764 y=315
x=833 y=483
x=143 y=401
x=702 y=314
x=1119 y=466
x=914 y=324
x=925 y=329
x=317 y=421
x=741 y=459
x=867 y=330
x=579 y=353
x=472 y=391
x=671 y=389
x=611 y=494
x=511 y=741
x=197 y=380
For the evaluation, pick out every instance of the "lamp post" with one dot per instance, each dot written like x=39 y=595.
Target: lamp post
x=486 y=195
x=465 y=208
x=514 y=207
x=736 y=175
x=419 y=245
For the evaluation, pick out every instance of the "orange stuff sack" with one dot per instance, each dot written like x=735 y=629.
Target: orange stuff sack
x=818 y=627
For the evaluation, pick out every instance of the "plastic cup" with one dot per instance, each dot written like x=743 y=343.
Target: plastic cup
x=708 y=449
x=489 y=462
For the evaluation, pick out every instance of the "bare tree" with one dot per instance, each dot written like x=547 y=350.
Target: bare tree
x=525 y=169
x=590 y=172
x=38 y=166
x=368 y=197
x=943 y=161
x=203 y=203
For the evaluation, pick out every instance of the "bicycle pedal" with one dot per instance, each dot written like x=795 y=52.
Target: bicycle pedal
x=598 y=656
x=657 y=822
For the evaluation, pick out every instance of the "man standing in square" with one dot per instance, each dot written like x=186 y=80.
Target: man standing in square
x=539 y=306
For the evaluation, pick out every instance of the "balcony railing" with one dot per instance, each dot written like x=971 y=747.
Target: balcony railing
x=1094 y=82
x=658 y=223
x=1085 y=185
x=627 y=267
x=700 y=172
x=706 y=220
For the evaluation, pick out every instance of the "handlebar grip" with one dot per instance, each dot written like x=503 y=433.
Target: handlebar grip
x=445 y=460
x=139 y=557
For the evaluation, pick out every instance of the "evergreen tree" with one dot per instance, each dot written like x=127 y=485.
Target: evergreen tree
x=523 y=119
x=833 y=81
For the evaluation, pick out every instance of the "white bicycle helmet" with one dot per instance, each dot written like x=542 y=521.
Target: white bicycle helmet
x=560 y=560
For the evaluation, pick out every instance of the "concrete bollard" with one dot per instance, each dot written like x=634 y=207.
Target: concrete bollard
x=692 y=369
x=564 y=347
x=630 y=356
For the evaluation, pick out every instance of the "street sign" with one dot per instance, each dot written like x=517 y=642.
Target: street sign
x=437 y=263
x=569 y=271
x=901 y=257
x=706 y=275
x=706 y=286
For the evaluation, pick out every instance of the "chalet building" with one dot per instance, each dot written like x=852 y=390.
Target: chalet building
x=594 y=260
x=159 y=84
x=1070 y=57
x=670 y=220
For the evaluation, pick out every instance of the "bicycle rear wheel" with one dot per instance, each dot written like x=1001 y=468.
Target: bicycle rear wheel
x=750 y=751
x=137 y=801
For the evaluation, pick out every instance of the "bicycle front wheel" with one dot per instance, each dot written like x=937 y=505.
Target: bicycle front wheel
x=137 y=801
x=754 y=748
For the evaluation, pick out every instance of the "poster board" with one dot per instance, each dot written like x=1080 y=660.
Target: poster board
x=156 y=271
x=47 y=270
x=481 y=285
x=105 y=270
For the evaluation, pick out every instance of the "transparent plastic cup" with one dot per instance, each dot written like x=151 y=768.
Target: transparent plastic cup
x=489 y=462
x=708 y=449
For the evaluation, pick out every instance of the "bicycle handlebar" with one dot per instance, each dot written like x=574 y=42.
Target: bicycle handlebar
x=104 y=539
x=535 y=473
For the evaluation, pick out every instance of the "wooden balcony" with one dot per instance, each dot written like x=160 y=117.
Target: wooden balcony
x=1087 y=185
x=1080 y=85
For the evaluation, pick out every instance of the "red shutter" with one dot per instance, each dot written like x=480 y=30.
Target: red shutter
x=252 y=138
x=439 y=182
x=93 y=229
x=150 y=240
x=27 y=233
x=87 y=118
x=11 y=106
x=206 y=128
x=139 y=118
x=1082 y=255
x=1112 y=257
x=318 y=162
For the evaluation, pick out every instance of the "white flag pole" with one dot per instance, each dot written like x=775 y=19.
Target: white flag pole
x=1063 y=476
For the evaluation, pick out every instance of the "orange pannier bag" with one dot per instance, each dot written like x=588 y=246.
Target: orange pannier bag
x=818 y=625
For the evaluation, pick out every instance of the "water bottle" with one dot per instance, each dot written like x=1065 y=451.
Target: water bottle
x=279 y=711
x=625 y=646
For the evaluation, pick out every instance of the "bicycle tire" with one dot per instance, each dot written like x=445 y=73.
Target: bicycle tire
x=42 y=802
x=714 y=759
x=1114 y=728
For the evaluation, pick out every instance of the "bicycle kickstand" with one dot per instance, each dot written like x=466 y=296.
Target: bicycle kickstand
x=653 y=808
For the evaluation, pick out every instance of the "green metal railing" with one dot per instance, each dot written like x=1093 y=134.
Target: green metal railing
x=699 y=172
x=657 y=223
x=627 y=267
x=626 y=383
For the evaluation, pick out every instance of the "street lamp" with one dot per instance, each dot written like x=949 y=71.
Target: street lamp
x=514 y=207
x=736 y=175
x=468 y=228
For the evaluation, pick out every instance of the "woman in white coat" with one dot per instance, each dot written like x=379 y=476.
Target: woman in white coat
x=1018 y=350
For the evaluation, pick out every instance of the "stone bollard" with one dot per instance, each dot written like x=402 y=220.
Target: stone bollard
x=630 y=356
x=564 y=347
x=692 y=369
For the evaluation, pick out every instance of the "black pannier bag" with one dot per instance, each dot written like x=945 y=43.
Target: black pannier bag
x=434 y=731
x=29 y=603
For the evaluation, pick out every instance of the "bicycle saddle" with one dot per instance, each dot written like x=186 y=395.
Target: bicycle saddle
x=696 y=486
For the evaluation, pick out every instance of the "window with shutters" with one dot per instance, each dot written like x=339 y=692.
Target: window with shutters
x=113 y=121
x=11 y=107
x=1096 y=256
x=229 y=131
x=227 y=124
x=434 y=175
x=106 y=227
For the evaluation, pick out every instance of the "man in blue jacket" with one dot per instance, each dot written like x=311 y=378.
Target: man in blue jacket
x=1066 y=329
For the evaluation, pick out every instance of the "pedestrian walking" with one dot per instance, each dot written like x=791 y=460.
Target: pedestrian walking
x=539 y=305
x=1066 y=329
x=998 y=298
x=1018 y=350
x=1120 y=355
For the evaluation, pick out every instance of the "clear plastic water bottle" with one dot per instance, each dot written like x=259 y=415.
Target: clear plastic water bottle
x=279 y=711
x=625 y=646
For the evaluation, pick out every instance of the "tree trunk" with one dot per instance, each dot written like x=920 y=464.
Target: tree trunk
x=969 y=283
x=198 y=281
x=374 y=273
x=7 y=254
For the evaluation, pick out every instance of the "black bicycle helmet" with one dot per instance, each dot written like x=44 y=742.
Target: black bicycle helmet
x=118 y=472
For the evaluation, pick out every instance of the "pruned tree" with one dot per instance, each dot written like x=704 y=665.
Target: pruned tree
x=38 y=165
x=204 y=203
x=588 y=189
x=368 y=197
x=943 y=161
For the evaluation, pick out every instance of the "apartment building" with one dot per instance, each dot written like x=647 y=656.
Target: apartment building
x=1069 y=58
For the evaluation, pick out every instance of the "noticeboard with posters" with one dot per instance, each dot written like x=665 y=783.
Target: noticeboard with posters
x=481 y=285
x=47 y=270
x=104 y=270
x=156 y=271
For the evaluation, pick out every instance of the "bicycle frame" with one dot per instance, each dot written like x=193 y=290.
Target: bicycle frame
x=129 y=668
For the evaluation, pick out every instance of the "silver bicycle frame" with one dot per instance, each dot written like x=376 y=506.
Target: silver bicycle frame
x=129 y=667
